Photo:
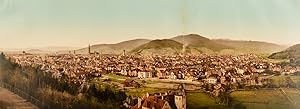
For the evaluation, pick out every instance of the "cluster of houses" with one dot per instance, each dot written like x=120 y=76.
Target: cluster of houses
x=210 y=69
x=167 y=100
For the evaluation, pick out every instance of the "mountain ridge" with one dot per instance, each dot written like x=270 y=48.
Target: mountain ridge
x=195 y=40
x=116 y=48
x=188 y=43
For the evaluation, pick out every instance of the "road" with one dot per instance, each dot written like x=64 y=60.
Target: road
x=9 y=100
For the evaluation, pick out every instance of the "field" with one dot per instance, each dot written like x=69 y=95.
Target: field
x=267 y=99
x=280 y=80
x=200 y=100
x=254 y=99
x=248 y=99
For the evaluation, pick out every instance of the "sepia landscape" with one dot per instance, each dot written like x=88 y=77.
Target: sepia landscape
x=182 y=54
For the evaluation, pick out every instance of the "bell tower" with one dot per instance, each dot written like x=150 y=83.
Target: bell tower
x=180 y=97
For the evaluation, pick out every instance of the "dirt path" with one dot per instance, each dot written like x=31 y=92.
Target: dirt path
x=9 y=100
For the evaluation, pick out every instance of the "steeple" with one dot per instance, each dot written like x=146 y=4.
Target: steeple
x=180 y=97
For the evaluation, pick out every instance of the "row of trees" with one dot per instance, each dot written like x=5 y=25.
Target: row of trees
x=59 y=93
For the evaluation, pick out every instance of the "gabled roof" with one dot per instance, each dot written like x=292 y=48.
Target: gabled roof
x=153 y=101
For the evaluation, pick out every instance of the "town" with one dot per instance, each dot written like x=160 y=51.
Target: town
x=211 y=69
x=214 y=70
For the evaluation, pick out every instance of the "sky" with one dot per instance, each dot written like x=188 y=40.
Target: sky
x=77 y=23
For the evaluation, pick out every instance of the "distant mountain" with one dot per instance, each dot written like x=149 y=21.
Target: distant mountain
x=57 y=48
x=114 y=48
x=36 y=51
x=160 y=47
x=255 y=47
x=39 y=50
x=191 y=43
x=197 y=41
x=289 y=53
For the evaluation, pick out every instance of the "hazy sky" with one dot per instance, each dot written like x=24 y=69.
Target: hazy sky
x=39 y=23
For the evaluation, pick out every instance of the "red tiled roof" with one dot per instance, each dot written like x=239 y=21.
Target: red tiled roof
x=153 y=101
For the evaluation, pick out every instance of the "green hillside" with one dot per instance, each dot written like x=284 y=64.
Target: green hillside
x=197 y=41
x=164 y=46
x=115 y=48
x=292 y=52
x=255 y=47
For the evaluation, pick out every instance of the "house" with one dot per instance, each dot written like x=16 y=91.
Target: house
x=233 y=80
x=132 y=73
x=222 y=79
x=161 y=72
x=168 y=100
x=161 y=75
x=180 y=76
x=123 y=72
x=172 y=76
x=144 y=74
x=212 y=79
x=189 y=77
x=152 y=102
x=240 y=71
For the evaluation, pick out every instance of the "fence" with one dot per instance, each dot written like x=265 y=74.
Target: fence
x=25 y=95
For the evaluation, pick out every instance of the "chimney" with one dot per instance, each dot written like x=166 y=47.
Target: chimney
x=147 y=95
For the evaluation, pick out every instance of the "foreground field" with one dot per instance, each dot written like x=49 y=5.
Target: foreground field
x=254 y=99
x=280 y=80
x=267 y=99
x=200 y=100
x=285 y=98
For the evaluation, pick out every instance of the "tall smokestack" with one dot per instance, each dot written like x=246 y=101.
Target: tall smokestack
x=89 y=49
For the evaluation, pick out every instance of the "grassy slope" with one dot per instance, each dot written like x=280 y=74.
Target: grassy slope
x=291 y=52
x=164 y=46
x=198 y=100
x=115 y=48
x=251 y=46
x=265 y=99
x=258 y=99
x=197 y=41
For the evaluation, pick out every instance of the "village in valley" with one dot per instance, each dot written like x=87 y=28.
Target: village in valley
x=163 y=81
x=149 y=54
